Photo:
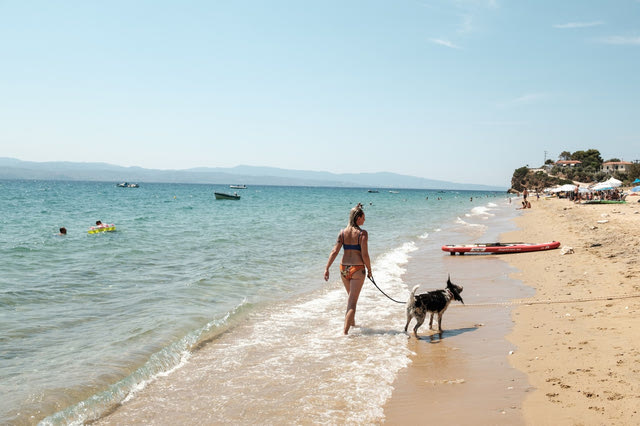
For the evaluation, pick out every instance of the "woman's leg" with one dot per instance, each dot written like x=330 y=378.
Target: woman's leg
x=354 y=286
x=347 y=287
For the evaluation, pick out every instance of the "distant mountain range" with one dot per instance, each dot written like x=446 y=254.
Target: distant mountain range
x=11 y=168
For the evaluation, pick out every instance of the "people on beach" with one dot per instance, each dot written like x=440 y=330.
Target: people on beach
x=355 y=259
x=525 y=205
x=525 y=194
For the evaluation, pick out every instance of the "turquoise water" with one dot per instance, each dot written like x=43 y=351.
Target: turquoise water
x=87 y=321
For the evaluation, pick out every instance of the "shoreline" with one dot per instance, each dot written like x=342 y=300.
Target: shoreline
x=574 y=362
x=463 y=374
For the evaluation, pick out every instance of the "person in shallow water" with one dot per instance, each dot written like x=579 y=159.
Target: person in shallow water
x=355 y=259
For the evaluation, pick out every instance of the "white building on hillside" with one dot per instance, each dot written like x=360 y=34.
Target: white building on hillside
x=616 y=166
x=570 y=163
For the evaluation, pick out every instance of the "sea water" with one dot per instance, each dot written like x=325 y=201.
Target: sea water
x=207 y=310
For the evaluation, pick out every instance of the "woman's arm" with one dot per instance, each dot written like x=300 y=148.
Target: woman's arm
x=364 y=245
x=332 y=256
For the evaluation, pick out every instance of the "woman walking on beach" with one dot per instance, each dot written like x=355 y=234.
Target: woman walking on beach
x=355 y=259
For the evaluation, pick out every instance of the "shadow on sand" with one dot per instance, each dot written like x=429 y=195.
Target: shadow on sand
x=436 y=337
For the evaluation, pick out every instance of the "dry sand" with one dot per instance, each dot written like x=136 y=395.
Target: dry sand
x=583 y=356
x=572 y=342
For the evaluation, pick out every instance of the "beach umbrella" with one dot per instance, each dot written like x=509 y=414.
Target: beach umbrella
x=601 y=186
x=636 y=181
x=564 y=188
x=607 y=184
x=635 y=189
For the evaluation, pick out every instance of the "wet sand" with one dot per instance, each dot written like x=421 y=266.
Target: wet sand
x=463 y=375
x=575 y=358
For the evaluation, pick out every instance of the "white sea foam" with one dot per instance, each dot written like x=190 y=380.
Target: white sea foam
x=300 y=367
x=460 y=221
x=480 y=211
x=474 y=229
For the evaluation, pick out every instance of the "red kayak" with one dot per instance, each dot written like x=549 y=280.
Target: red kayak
x=500 y=247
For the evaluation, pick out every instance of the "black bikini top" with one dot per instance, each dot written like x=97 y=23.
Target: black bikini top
x=351 y=246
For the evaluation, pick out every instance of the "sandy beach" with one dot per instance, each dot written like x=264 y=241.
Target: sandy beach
x=569 y=356
x=580 y=351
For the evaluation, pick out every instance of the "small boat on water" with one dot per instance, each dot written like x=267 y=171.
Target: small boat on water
x=499 y=248
x=373 y=191
x=223 y=196
x=128 y=185
x=238 y=186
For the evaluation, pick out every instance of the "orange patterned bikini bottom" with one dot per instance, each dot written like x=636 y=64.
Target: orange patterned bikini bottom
x=347 y=271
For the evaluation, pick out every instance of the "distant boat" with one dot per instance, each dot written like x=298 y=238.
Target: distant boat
x=128 y=185
x=373 y=191
x=238 y=186
x=393 y=192
x=223 y=196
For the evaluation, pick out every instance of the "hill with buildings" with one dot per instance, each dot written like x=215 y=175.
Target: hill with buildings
x=580 y=166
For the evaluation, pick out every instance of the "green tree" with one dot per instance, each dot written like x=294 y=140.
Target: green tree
x=590 y=159
x=518 y=180
x=598 y=177
x=565 y=155
x=621 y=176
x=633 y=171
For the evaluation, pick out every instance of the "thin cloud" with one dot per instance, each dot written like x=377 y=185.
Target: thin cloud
x=572 y=25
x=445 y=43
x=467 y=25
x=620 y=40
x=526 y=99
x=503 y=123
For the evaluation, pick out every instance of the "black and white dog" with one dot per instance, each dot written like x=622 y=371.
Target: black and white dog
x=433 y=302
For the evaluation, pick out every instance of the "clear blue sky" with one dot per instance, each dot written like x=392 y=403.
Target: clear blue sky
x=457 y=90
